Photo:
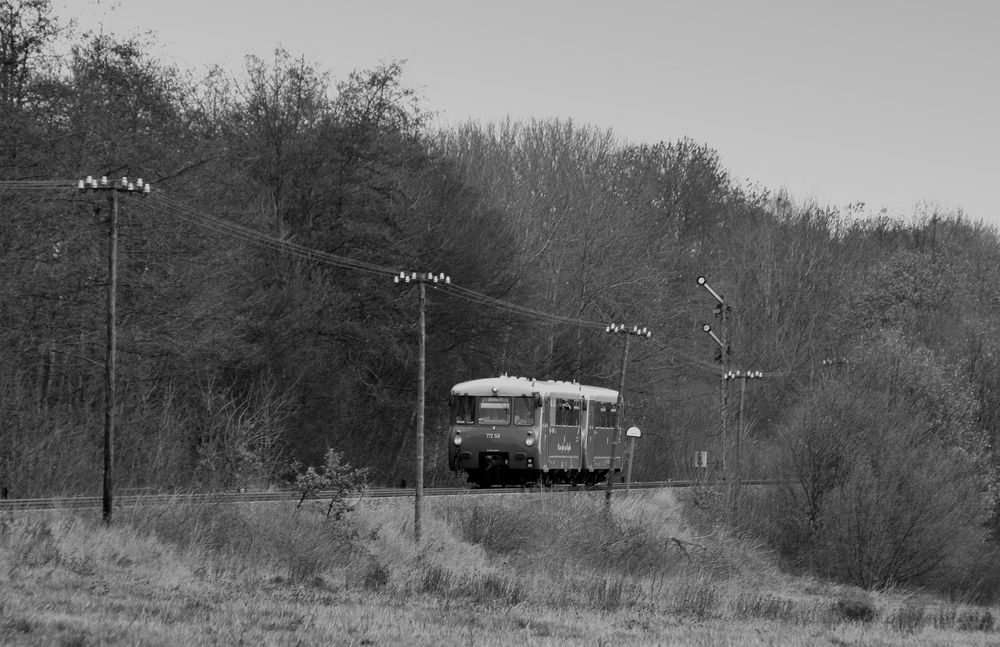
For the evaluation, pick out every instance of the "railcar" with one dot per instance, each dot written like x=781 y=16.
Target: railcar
x=518 y=431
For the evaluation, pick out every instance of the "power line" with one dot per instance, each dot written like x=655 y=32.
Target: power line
x=163 y=205
x=167 y=206
x=66 y=185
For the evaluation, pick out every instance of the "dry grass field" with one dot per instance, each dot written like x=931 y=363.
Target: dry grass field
x=532 y=569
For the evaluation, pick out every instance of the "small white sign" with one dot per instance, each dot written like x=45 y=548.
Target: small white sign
x=633 y=432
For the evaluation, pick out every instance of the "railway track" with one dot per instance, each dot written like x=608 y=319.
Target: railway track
x=132 y=500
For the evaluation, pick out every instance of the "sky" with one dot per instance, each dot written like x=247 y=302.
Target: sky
x=894 y=103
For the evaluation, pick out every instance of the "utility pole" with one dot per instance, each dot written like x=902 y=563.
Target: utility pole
x=742 y=376
x=421 y=280
x=620 y=329
x=108 y=481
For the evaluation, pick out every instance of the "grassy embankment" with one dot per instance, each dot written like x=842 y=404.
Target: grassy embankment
x=539 y=569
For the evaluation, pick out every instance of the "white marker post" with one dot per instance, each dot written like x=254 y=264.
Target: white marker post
x=632 y=433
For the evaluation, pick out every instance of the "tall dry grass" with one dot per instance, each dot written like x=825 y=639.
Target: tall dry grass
x=554 y=567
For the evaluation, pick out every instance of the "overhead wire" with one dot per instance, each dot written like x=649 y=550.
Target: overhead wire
x=161 y=204
x=167 y=206
x=37 y=184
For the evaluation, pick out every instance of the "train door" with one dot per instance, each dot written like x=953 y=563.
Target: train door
x=562 y=449
x=602 y=416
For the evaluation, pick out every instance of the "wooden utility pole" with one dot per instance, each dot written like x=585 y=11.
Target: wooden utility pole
x=619 y=424
x=737 y=482
x=110 y=357
x=418 y=492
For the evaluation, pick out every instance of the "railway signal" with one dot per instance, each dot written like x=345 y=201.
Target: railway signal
x=723 y=356
x=421 y=279
x=112 y=189
x=627 y=333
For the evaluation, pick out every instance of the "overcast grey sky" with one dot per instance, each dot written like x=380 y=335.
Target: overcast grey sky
x=890 y=102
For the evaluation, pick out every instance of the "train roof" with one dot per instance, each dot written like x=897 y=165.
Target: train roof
x=509 y=385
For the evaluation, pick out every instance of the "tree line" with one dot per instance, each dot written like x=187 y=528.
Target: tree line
x=876 y=334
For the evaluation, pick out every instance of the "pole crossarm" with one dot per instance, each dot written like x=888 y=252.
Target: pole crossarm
x=622 y=329
x=92 y=184
x=745 y=375
x=418 y=277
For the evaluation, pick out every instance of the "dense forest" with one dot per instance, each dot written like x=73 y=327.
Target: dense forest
x=258 y=322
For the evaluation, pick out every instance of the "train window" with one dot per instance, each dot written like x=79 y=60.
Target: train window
x=524 y=410
x=494 y=411
x=568 y=412
x=606 y=415
x=463 y=409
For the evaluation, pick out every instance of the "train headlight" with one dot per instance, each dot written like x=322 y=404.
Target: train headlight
x=529 y=441
x=457 y=439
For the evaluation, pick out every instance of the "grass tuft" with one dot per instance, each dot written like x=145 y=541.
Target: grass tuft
x=907 y=619
x=752 y=604
x=856 y=608
x=698 y=598
x=611 y=593
x=975 y=620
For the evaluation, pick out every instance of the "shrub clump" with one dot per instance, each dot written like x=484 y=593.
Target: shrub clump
x=334 y=479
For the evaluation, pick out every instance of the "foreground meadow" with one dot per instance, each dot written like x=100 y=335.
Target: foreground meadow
x=535 y=569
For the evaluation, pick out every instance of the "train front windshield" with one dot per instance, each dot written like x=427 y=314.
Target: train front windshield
x=493 y=410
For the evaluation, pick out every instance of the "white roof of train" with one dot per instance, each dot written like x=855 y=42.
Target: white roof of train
x=508 y=385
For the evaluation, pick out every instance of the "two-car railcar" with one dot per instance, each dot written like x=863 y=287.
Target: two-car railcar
x=517 y=431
